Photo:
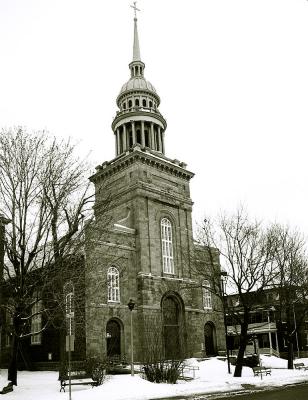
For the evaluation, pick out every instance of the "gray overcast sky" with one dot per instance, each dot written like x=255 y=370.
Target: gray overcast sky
x=232 y=76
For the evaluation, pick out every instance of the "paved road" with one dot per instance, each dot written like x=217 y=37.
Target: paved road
x=295 y=392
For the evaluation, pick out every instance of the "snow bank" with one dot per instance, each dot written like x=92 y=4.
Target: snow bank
x=3 y=381
x=273 y=362
x=212 y=376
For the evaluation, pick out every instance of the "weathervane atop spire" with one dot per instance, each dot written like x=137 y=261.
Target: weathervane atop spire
x=136 y=49
x=135 y=9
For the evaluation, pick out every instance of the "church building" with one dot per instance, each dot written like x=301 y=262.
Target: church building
x=139 y=247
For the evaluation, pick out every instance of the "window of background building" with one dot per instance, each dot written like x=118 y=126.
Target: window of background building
x=167 y=246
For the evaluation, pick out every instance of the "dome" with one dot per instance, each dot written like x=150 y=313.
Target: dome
x=138 y=83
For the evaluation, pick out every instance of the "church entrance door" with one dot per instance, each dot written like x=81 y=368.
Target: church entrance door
x=113 y=336
x=171 y=308
x=209 y=339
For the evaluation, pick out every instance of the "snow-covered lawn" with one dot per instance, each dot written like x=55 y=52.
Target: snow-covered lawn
x=212 y=376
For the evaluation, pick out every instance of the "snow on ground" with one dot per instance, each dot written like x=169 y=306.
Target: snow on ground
x=212 y=376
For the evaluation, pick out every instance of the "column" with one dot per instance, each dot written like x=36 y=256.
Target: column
x=152 y=143
x=118 y=141
x=134 y=132
x=270 y=342
x=269 y=333
x=124 y=138
x=142 y=134
x=277 y=345
x=159 y=138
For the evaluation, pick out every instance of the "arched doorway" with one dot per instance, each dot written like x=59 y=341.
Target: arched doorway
x=113 y=338
x=171 y=327
x=210 y=339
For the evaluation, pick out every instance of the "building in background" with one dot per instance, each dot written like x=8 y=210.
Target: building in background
x=267 y=326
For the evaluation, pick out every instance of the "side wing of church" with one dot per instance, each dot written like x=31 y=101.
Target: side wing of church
x=139 y=247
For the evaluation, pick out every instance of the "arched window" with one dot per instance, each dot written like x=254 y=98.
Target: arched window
x=144 y=103
x=167 y=247
x=36 y=319
x=113 y=282
x=130 y=138
x=138 y=136
x=150 y=104
x=130 y=104
x=146 y=138
x=137 y=102
x=124 y=106
x=207 y=295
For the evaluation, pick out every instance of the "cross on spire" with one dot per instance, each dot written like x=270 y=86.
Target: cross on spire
x=135 y=9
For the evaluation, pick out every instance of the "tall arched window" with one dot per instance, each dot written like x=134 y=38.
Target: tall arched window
x=36 y=320
x=113 y=282
x=207 y=295
x=167 y=247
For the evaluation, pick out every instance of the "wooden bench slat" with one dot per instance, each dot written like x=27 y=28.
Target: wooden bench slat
x=301 y=365
x=261 y=370
x=77 y=376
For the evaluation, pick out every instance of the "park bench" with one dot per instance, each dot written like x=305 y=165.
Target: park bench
x=187 y=371
x=261 y=371
x=300 y=366
x=8 y=388
x=81 y=377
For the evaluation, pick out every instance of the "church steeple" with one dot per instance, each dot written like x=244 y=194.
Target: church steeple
x=136 y=49
x=136 y=66
x=138 y=120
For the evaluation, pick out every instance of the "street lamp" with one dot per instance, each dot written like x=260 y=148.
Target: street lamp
x=223 y=276
x=131 y=306
x=3 y=221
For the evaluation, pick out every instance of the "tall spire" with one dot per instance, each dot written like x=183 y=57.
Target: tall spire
x=136 y=49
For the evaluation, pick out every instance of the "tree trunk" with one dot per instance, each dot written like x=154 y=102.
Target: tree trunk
x=290 y=328
x=242 y=347
x=290 y=353
x=12 y=369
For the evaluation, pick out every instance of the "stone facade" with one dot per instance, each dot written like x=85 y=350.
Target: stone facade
x=135 y=193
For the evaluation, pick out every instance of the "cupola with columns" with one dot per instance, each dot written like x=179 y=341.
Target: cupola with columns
x=138 y=120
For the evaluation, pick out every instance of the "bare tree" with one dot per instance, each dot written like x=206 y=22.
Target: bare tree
x=157 y=367
x=44 y=192
x=246 y=256
x=290 y=283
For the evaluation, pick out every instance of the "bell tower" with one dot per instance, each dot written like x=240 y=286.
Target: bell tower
x=145 y=254
x=138 y=120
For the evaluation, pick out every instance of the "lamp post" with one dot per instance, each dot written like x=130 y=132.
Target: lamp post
x=3 y=221
x=131 y=306
x=223 y=276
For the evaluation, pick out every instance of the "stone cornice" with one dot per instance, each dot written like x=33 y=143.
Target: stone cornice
x=144 y=156
x=146 y=190
x=129 y=115
x=137 y=91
